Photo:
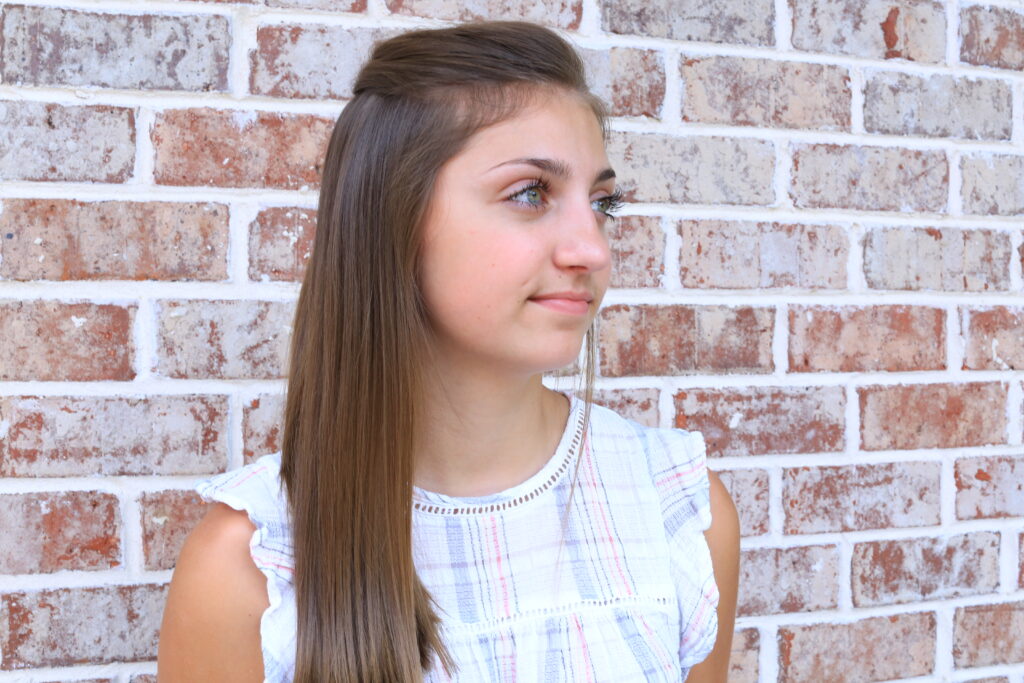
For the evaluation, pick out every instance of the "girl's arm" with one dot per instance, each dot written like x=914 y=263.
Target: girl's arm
x=723 y=537
x=211 y=622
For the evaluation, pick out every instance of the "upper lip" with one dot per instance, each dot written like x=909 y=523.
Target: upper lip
x=575 y=296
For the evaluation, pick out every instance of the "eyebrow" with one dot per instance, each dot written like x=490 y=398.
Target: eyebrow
x=555 y=167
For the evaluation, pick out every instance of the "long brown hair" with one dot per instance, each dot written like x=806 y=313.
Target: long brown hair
x=360 y=338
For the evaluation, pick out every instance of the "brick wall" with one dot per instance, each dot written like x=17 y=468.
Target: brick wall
x=827 y=199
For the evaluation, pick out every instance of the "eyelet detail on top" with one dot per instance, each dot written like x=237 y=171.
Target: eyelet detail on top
x=430 y=502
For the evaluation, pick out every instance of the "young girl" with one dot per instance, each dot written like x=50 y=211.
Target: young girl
x=436 y=512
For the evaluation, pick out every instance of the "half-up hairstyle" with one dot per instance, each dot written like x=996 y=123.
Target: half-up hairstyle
x=359 y=354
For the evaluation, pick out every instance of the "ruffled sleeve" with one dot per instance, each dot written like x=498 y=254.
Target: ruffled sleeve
x=680 y=474
x=257 y=490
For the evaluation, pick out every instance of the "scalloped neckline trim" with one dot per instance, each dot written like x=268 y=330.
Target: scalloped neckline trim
x=431 y=502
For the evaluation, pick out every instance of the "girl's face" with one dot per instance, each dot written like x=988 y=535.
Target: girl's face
x=515 y=258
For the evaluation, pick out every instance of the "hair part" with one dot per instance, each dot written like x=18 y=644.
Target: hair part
x=359 y=354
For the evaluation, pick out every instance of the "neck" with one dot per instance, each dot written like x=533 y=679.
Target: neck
x=479 y=437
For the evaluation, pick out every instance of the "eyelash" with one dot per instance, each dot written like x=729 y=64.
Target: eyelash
x=614 y=199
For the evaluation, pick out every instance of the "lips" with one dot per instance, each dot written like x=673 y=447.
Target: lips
x=570 y=303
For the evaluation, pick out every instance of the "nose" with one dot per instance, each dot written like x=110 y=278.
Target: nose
x=582 y=243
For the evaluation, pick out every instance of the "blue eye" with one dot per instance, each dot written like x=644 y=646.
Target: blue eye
x=534 y=198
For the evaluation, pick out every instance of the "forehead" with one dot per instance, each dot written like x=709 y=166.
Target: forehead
x=557 y=125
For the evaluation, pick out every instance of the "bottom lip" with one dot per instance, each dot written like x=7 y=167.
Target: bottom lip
x=568 y=306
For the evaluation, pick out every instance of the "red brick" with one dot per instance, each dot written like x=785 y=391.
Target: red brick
x=61 y=239
x=874 y=649
x=305 y=61
x=749 y=491
x=743 y=660
x=784 y=580
x=990 y=185
x=45 y=141
x=1020 y=558
x=280 y=243
x=914 y=30
x=985 y=635
x=74 y=342
x=869 y=178
x=149 y=678
x=864 y=338
x=61 y=436
x=742 y=22
x=563 y=14
x=262 y=424
x=640 y=405
x=992 y=36
x=676 y=340
x=71 y=626
x=990 y=487
x=242 y=339
x=48 y=532
x=916 y=569
x=638 y=251
x=937 y=106
x=991 y=679
x=761 y=255
x=762 y=420
x=769 y=93
x=995 y=338
x=932 y=415
x=856 y=497
x=654 y=167
x=332 y=5
x=239 y=148
x=53 y=46
x=630 y=80
x=168 y=517
x=944 y=259
x=95 y=680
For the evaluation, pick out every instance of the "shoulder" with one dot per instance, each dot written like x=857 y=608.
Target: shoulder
x=211 y=621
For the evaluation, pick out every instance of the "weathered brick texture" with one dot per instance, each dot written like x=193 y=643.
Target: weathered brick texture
x=942 y=259
x=749 y=492
x=53 y=46
x=168 y=517
x=239 y=148
x=563 y=14
x=262 y=425
x=224 y=339
x=280 y=243
x=985 y=635
x=777 y=580
x=873 y=649
x=70 y=341
x=695 y=170
x=992 y=36
x=990 y=487
x=932 y=415
x=631 y=81
x=743 y=660
x=862 y=338
x=991 y=184
x=677 y=340
x=638 y=251
x=762 y=420
x=60 y=239
x=900 y=571
x=755 y=92
x=869 y=178
x=71 y=626
x=41 y=141
x=743 y=22
x=60 y=436
x=718 y=254
x=937 y=106
x=995 y=338
x=636 y=404
x=856 y=497
x=48 y=532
